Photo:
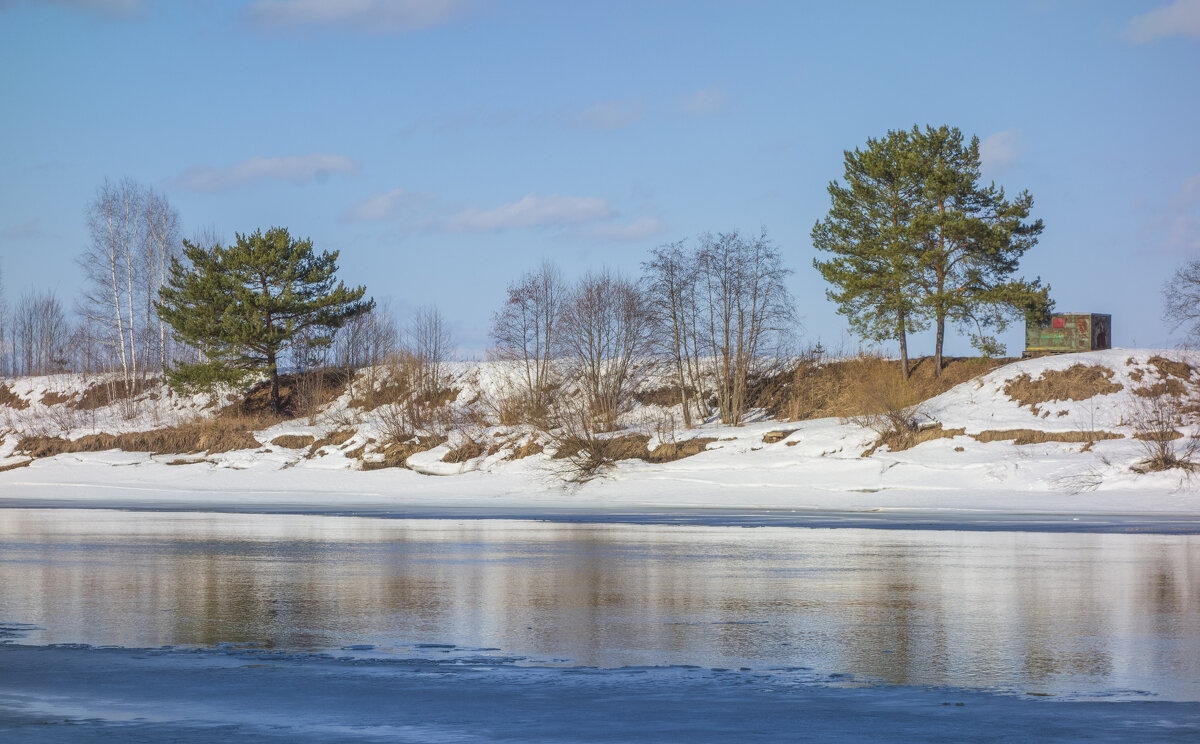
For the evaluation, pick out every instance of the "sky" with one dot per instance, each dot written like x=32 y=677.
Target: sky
x=443 y=148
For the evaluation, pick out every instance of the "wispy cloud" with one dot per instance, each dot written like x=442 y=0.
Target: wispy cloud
x=369 y=16
x=609 y=115
x=387 y=205
x=704 y=101
x=639 y=229
x=531 y=211
x=106 y=8
x=1180 y=18
x=293 y=169
x=1000 y=150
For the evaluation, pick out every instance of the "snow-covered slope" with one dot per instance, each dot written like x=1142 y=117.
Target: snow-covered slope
x=973 y=464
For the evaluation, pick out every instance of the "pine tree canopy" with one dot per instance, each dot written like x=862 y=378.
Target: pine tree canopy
x=245 y=304
x=914 y=238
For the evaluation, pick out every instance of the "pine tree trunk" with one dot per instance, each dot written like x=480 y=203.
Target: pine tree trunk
x=937 y=353
x=902 y=332
x=274 y=370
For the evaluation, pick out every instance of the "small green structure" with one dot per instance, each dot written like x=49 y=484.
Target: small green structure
x=1069 y=332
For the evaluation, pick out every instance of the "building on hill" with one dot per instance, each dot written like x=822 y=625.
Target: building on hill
x=1069 y=332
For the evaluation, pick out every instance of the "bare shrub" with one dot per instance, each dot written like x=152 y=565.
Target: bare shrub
x=1156 y=420
x=1181 y=301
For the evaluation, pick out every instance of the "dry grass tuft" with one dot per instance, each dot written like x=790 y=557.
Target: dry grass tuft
x=468 y=450
x=293 y=441
x=101 y=394
x=54 y=398
x=1169 y=386
x=898 y=441
x=396 y=453
x=15 y=465
x=11 y=399
x=1078 y=382
x=1036 y=436
x=214 y=435
x=672 y=451
x=333 y=439
x=1168 y=368
x=528 y=449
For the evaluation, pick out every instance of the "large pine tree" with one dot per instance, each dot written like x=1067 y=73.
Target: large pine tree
x=243 y=305
x=915 y=238
x=870 y=235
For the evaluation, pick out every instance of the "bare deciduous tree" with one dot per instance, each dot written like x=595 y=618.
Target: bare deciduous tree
x=1181 y=301
x=160 y=243
x=745 y=304
x=604 y=332
x=524 y=330
x=430 y=345
x=671 y=277
x=41 y=334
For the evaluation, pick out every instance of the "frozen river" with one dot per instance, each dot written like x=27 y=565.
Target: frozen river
x=1107 y=620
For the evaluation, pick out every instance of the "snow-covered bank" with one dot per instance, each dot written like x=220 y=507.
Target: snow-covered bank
x=818 y=465
x=82 y=694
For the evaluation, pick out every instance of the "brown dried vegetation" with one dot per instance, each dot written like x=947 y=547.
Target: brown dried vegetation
x=220 y=434
x=293 y=441
x=1077 y=382
x=1036 y=436
x=11 y=399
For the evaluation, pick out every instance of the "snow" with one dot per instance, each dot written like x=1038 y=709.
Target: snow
x=819 y=467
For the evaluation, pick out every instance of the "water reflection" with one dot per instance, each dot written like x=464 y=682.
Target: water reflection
x=1028 y=611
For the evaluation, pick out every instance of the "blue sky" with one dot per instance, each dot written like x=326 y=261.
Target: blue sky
x=445 y=147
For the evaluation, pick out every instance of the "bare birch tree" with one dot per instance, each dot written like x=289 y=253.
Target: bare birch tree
x=524 y=329
x=160 y=243
x=430 y=344
x=745 y=304
x=1181 y=302
x=605 y=331
x=671 y=278
x=41 y=334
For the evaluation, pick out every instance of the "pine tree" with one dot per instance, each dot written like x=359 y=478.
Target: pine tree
x=869 y=230
x=972 y=239
x=243 y=305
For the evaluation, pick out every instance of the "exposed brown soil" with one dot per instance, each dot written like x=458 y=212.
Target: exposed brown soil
x=293 y=441
x=15 y=465
x=778 y=435
x=333 y=438
x=1169 y=386
x=1078 y=382
x=101 y=394
x=468 y=450
x=209 y=435
x=528 y=449
x=394 y=455
x=54 y=398
x=11 y=399
x=299 y=394
x=1170 y=368
x=666 y=396
x=1036 y=436
x=900 y=441
x=671 y=452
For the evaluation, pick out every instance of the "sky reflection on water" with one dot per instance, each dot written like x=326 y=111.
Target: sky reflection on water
x=1042 y=612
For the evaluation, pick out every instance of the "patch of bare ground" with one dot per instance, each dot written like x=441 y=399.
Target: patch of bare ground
x=300 y=394
x=396 y=453
x=293 y=441
x=1077 y=382
x=672 y=451
x=898 y=441
x=222 y=434
x=1169 y=386
x=54 y=398
x=1170 y=368
x=843 y=388
x=1037 y=436
x=333 y=439
x=15 y=465
x=101 y=394
x=468 y=450
x=665 y=396
x=11 y=399
x=530 y=448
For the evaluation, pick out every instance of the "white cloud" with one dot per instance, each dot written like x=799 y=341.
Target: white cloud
x=640 y=229
x=293 y=169
x=388 y=205
x=371 y=16
x=1000 y=150
x=1180 y=18
x=531 y=211
x=609 y=115
x=704 y=101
